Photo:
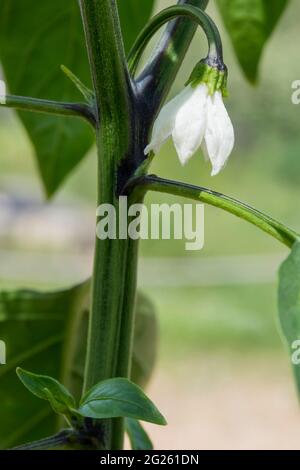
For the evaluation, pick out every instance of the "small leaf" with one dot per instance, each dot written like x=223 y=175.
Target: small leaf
x=117 y=398
x=49 y=389
x=138 y=437
x=289 y=304
x=250 y=24
x=86 y=92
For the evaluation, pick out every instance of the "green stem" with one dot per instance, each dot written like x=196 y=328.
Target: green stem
x=113 y=94
x=35 y=105
x=48 y=443
x=193 y=13
x=266 y=223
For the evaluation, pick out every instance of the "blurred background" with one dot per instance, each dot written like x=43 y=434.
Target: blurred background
x=223 y=377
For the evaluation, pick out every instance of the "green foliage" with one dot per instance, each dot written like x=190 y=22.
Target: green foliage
x=138 y=437
x=48 y=389
x=289 y=303
x=35 y=39
x=133 y=17
x=117 y=398
x=43 y=331
x=145 y=341
x=250 y=24
x=34 y=326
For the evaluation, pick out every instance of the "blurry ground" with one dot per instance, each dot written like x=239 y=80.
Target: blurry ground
x=218 y=402
x=223 y=378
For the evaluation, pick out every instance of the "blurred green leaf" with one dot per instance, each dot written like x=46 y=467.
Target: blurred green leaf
x=133 y=17
x=34 y=326
x=138 y=437
x=145 y=341
x=48 y=388
x=42 y=331
x=144 y=347
x=250 y=24
x=35 y=39
x=289 y=304
x=117 y=398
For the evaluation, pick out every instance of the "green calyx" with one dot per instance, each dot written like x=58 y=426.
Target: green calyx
x=214 y=76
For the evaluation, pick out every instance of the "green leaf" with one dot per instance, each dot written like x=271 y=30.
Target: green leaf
x=49 y=389
x=133 y=17
x=37 y=326
x=35 y=39
x=289 y=305
x=145 y=341
x=117 y=398
x=34 y=326
x=138 y=437
x=250 y=24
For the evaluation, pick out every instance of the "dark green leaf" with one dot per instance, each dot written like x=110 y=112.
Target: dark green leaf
x=47 y=388
x=250 y=24
x=138 y=437
x=116 y=398
x=289 y=306
x=35 y=39
x=34 y=326
x=133 y=17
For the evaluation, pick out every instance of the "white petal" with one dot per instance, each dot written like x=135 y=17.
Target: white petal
x=164 y=123
x=190 y=123
x=2 y=92
x=219 y=136
x=211 y=145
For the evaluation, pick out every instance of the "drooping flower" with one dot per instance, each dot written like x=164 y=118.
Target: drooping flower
x=197 y=117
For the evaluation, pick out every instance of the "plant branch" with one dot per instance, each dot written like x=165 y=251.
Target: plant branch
x=36 y=105
x=266 y=223
x=159 y=74
x=48 y=443
x=194 y=14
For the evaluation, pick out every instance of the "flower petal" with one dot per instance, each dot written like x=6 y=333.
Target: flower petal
x=211 y=145
x=190 y=123
x=2 y=92
x=164 y=123
x=219 y=136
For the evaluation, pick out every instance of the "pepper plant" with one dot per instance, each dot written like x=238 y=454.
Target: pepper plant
x=98 y=338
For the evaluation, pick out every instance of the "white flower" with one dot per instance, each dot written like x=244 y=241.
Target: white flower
x=2 y=92
x=194 y=118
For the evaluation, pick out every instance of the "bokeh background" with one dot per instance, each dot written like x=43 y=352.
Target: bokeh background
x=223 y=377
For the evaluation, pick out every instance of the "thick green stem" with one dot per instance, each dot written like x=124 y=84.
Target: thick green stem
x=198 y=193
x=50 y=107
x=111 y=309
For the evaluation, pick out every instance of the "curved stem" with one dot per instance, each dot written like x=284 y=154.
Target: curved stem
x=189 y=11
x=266 y=223
x=50 y=107
x=159 y=74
